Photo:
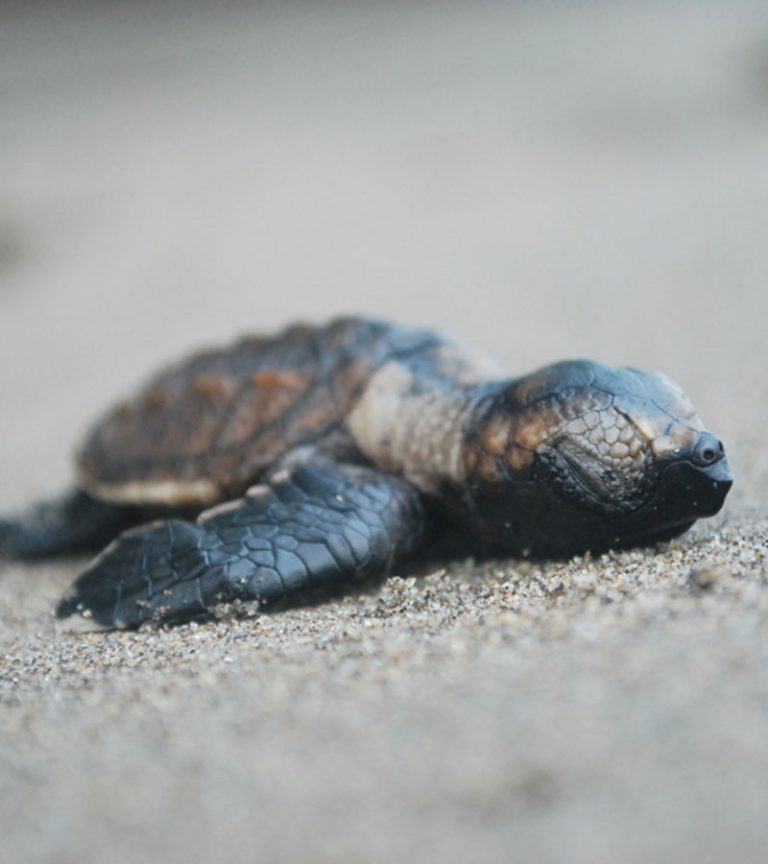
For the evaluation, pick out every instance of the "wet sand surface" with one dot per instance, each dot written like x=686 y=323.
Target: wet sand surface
x=541 y=181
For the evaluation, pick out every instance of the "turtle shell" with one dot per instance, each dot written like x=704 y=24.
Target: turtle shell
x=206 y=428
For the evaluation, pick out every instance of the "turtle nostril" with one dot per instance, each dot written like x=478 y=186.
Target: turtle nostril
x=708 y=450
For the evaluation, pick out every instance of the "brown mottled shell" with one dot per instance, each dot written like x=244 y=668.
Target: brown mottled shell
x=206 y=428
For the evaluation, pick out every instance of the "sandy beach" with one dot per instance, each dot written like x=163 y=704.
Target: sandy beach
x=540 y=180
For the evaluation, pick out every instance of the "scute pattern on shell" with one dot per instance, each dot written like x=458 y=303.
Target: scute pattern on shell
x=223 y=417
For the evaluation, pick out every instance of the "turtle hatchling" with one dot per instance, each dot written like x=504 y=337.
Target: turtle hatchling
x=304 y=460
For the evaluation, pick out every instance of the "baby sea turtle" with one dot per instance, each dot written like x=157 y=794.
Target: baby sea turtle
x=300 y=461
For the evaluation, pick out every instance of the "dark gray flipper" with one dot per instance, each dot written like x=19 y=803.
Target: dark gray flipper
x=74 y=524
x=313 y=527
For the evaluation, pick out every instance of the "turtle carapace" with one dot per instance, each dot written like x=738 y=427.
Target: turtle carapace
x=282 y=464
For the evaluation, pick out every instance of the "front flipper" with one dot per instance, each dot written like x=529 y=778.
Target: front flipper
x=316 y=526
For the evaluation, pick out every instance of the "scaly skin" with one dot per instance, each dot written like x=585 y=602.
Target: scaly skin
x=313 y=527
x=378 y=437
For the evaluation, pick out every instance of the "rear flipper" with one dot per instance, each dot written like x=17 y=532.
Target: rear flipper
x=317 y=526
x=73 y=524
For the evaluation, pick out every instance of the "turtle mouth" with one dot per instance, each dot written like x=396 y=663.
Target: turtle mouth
x=686 y=491
x=697 y=481
x=688 y=487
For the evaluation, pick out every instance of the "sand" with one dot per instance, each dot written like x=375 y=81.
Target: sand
x=543 y=181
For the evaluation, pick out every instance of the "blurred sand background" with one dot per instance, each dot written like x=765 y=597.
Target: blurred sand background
x=542 y=179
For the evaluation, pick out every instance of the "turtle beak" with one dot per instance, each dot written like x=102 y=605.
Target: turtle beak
x=697 y=481
x=717 y=483
x=709 y=458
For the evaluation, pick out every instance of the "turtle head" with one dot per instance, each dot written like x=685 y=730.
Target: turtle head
x=580 y=456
